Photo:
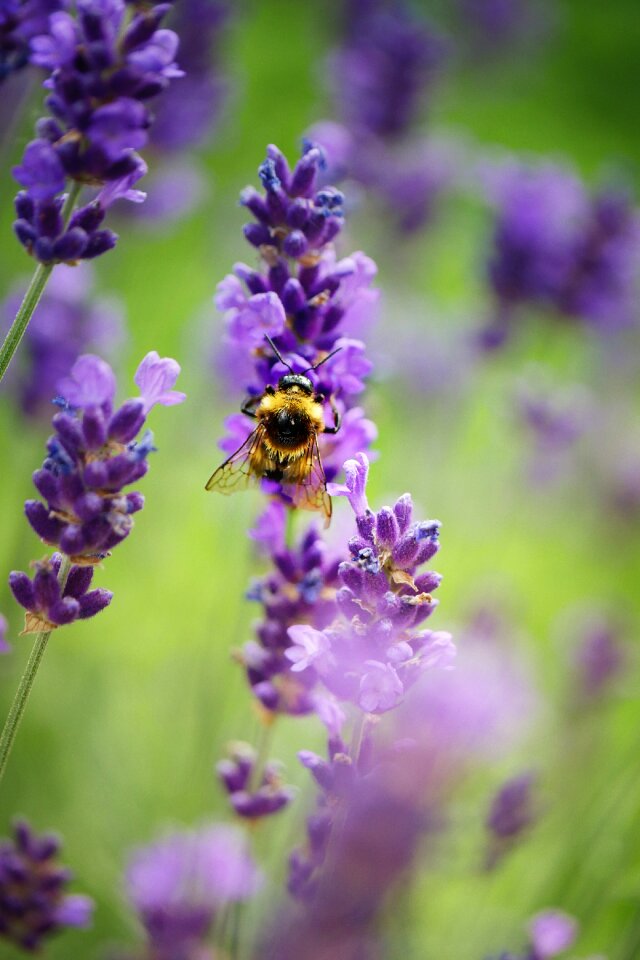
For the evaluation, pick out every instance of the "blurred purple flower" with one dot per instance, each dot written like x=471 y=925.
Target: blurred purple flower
x=599 y=657
x=69 y=319
x=383 y=72
x=557 y=248
x=20 y=21
x=511 y=813
x=5 y=646
x=178 y=885
x=552 y=932
x=34 y=904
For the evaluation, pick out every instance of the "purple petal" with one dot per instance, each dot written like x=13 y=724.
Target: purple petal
x=92 y=382
x=75 y=911
x=155 y=376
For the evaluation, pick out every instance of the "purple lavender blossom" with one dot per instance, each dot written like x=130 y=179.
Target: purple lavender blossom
x=47 y=605
x=599 y=657
x=5 y=646
x=104 y=69
x=179 y=885
x=481 y=710
x=555 y=418
x=92 y=456
x=497 y=26
x=252 y=796
x=300 y=589
x=69 y=319
x=370 y=819
x=383 y=72
x=20 y=22
x=376 y=649
x=188 y=114
x=552 y=932
x=33 y=901
x=558 y=249
x=189 y=110
x=512 y=812
x=306 y=300
x=382 y=78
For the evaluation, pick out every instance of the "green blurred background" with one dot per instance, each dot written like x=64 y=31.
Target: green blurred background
x=130 y=711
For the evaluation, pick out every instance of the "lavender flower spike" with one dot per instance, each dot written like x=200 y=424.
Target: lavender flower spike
x=180 y=884
x=47 y=605
x=104 y=67
x=374 y=650
x=552 y=932
x=312 y=305
x=33 y=902
x=94 y=454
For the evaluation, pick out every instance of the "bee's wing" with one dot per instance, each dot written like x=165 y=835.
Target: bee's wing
x=308 y=482
x=241 y=469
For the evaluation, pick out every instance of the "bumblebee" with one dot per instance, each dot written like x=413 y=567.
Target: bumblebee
x=284 y=445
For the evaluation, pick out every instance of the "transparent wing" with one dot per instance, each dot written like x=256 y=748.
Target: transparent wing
x=307 y=481
x=241 y=470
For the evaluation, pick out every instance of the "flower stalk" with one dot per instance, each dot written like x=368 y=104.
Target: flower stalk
x=26 y=683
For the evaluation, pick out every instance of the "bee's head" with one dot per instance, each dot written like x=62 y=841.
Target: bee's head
x=295 y=380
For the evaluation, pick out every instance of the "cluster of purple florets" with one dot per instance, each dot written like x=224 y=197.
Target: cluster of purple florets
x=181 y=884
x=375 y=650
x=50 y=604
x=382 y=78
x=308 y=302
x=189 y=110
x=104 y=70
x=92 y=456
x=300 y=588
x=253 y=793
x=382 y=72
x=557 y=248
x=20 y=22
x=33 y=900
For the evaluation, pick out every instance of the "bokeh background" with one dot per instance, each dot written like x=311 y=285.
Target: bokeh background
x=131 y=711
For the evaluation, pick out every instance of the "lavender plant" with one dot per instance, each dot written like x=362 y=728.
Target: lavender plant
x=307 y=301
x=93 y=455
x=104 y=68
x=182 y=885
x=34 y=903
x=20 y=22
x=559 y=249
x=382 y=79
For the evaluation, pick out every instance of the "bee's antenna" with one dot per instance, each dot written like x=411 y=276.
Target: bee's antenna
x=278 y=354
x=324 y=359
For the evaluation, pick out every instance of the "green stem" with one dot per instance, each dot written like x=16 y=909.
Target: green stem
x=33 y=294
x=24 y=689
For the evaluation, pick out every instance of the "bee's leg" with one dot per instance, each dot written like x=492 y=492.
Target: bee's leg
x=249 y=406
x=336 y=418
